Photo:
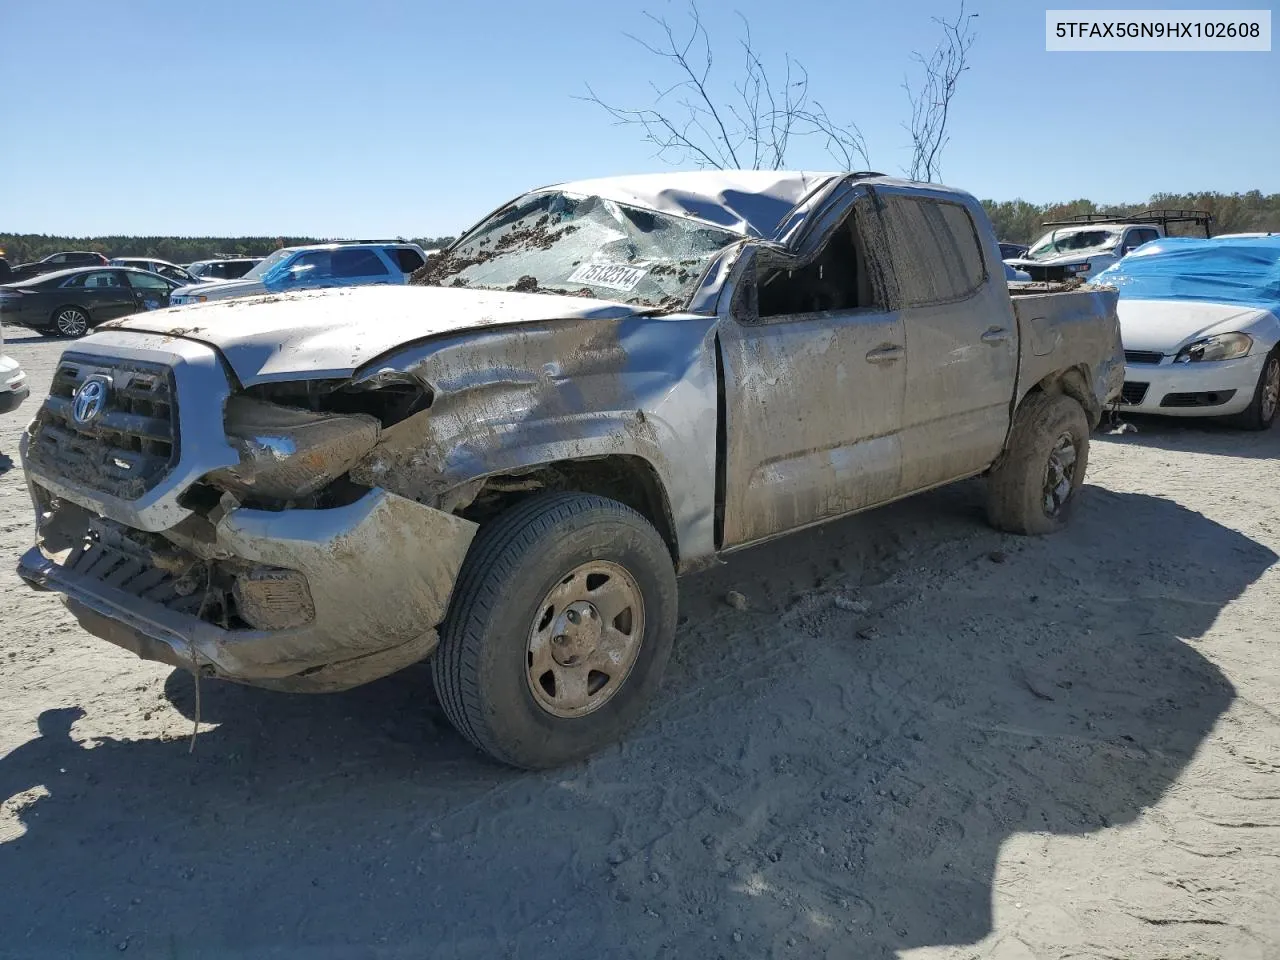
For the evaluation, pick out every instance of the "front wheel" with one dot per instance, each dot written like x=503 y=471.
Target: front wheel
x=1033 y=487
x=1261 y=412
x=558 y=631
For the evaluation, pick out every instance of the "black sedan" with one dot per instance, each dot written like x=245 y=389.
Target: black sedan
x=55 y=261
x=69 y=302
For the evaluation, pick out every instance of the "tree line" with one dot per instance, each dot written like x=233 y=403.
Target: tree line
x=1015 y=220
x=1021 y=222
x=25 y=247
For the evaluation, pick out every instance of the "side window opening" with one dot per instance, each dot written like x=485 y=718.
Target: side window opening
x=836 y=279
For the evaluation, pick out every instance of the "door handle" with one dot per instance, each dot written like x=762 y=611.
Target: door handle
x=995 y=335
x=884 y=354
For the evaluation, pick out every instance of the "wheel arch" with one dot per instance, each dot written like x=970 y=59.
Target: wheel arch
x=627 y=478
x=1075 y=382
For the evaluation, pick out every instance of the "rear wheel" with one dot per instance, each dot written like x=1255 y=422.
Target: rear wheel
x=558 y=631
x=71 y=321
x=1033 y=488
x=1261 y=412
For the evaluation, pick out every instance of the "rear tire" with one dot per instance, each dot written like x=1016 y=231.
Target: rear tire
x=520 y=681
x=70 y=322
x=1033 y=488
x=1261 y=412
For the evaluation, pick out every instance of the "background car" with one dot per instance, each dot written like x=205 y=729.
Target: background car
x=163 y=267
x=348 y=263
x=13 y=382
x=70 y=302
x=57 y=261
x=227 y=268
x=1200 y=322
x=1009 y=250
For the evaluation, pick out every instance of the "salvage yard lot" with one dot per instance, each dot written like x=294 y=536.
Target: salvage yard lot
x=920 y=736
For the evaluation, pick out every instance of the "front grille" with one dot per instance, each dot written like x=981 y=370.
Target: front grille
x=1208 y=398
x=167 y=578
x=231 y=594
x=1143 y=356
x=129 y=448
x=1133 y=393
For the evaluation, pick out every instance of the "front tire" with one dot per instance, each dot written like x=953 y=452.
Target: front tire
x=1261 y=412
x=1033 y=488
x=70 y=322
x=558 y=630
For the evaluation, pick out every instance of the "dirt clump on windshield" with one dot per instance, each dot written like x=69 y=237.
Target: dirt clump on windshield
x=541 y=235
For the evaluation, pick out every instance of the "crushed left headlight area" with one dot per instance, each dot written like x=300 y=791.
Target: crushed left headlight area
x=272 y=568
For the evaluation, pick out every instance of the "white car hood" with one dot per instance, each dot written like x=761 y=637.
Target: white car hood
x=1169 y=325
x=332 y=332
x=222 y=288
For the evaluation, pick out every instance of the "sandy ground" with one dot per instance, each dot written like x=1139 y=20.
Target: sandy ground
x=990 y=747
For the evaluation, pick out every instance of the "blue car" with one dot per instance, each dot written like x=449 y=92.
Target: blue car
x=307 y=268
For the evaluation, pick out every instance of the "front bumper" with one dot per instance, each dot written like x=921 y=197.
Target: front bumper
x=380 y=572
x=1191 y=389
x=10 y=400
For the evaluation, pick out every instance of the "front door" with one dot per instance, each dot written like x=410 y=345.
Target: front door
x=150 y=292
x=814 y=385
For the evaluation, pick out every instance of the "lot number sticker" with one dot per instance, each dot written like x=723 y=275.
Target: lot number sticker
x=615 y=276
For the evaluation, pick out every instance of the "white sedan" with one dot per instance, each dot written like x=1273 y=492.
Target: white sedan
x=1200 y=321
x=13 y=383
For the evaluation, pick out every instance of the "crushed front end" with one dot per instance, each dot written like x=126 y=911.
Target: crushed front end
x=217 y=529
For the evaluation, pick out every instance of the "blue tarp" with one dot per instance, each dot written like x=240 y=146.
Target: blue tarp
x=1242 y=271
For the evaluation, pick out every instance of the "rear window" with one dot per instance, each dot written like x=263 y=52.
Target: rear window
x=358 y=263
x=408 y=260
x=937 y=256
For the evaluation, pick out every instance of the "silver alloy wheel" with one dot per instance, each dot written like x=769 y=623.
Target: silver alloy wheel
x=1059 y=474
x=1270 y=389
x=71 y=322
x=585 y=640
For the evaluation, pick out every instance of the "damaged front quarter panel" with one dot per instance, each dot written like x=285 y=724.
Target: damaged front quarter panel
x=512 y=399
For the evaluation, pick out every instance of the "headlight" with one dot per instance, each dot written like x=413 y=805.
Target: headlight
x=1224 y=346
x=287 y=452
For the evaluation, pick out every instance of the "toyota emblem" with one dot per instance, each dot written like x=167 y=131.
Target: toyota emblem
x=90 y=400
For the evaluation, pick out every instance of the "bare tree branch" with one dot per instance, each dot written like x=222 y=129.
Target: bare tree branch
x=687 y=121
x=931 y=102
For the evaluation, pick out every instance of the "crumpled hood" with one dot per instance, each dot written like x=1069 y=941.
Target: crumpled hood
x=1169 y=325
x=315 y=334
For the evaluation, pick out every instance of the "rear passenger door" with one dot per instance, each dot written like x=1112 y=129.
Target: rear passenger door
x=961 y=338
x=104 y=294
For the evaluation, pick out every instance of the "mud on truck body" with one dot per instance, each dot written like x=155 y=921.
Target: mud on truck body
x=505 y=464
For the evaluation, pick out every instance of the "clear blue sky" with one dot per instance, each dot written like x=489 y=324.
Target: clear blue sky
x=417 y=117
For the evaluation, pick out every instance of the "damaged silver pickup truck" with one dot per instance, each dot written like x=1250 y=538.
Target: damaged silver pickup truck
x=505 y=464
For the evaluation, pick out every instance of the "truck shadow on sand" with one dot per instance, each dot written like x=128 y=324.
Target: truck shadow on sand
x=814 y=778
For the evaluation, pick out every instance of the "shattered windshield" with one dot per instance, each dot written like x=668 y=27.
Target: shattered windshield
x=1057 y=242
x=585 y=246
